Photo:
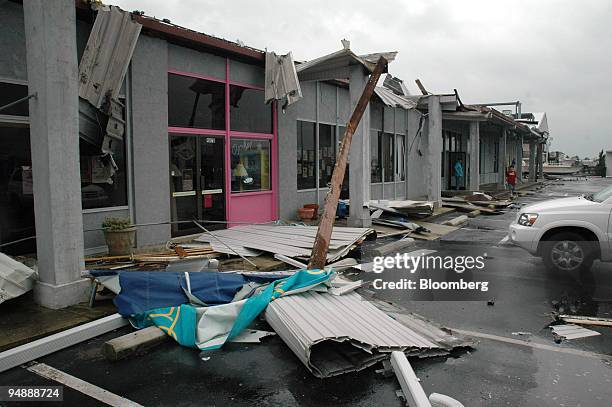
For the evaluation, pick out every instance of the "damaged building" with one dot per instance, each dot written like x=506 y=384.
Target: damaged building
x=125 y=115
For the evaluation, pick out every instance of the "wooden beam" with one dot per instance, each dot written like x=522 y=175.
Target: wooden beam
x=134 y=343
x=318 y=257
x=421 y=87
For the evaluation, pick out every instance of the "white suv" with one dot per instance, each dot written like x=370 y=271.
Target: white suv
x=568 y=233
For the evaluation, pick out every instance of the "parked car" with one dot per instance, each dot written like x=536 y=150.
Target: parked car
x=568 y=233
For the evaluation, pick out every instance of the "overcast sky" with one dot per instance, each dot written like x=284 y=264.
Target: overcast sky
x=553 y=56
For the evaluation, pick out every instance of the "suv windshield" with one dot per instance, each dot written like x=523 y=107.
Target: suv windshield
x=601 y=195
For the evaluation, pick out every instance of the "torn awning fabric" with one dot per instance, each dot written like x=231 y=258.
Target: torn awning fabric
x=222 y=317
x=142 y=291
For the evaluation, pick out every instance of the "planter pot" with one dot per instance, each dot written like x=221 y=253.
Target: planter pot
x=314 y=207
x=306 y=213
x=120 y=242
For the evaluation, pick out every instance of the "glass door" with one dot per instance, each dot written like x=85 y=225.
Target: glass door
x=183 y=194
x=197 y=182
x=212 y=180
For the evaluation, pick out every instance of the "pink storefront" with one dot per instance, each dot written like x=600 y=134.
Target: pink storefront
x=223 y=151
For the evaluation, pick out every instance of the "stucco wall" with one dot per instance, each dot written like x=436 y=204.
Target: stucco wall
x=149 y=102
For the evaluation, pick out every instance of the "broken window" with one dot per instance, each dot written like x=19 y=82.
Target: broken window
x=11 y=92
x=248 y=112
x=496 y=156
x=327 y=153
x=375 y=157
x=103 y=176
x=16 y=189
x=306 y=160
x=250 y=165
x=400 y=157
x=196 y=103
x=387 y=149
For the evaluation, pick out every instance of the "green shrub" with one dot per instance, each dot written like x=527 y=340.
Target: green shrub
x=116 y=223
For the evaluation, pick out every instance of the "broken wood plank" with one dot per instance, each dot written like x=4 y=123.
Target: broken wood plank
x=583 y=320
x=394 y=247
x=474 y=213
x=466 y=207
x=134 y=343
x=459 y=220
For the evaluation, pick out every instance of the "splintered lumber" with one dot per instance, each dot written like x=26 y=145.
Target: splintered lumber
x=468 y=207
x=582 y=320
x=134 y=343
x=459 y=220
x=318 y=257
x=474 y=213
x=394 y=247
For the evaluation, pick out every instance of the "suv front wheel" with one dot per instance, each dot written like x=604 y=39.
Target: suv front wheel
x=566 y=252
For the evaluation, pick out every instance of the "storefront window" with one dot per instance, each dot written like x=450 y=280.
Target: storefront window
x=400 y=158
x=9 y=93
x=16 y=189
x=387 y=148
x=375 y=157
x=306 y=160
x=196 y=103
x=327 y=153
x=103 y=176
x=248 y=112
x=250 y=166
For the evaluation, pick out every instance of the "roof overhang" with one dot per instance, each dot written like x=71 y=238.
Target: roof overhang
x=337 y=65
x=185 y=37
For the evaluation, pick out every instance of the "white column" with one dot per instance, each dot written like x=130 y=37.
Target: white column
x=540 y=172
x=474 y=156
x=519 y=158
x=54 y=139
x=359 y=176
x=433 y=151
x=502 y=160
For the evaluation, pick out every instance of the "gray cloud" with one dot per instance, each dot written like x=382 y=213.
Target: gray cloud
x=553 y=56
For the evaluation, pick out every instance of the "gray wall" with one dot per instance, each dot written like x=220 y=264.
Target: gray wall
x=149 y=102
x=488 y=136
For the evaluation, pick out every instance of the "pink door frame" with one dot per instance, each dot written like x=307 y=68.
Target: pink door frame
x=241 y=207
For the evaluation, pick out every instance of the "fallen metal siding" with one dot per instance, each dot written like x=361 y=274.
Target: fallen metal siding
x=291 y=241
x=107 y=55
x=333 y=335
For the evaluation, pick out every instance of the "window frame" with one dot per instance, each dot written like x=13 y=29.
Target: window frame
x=317 y=147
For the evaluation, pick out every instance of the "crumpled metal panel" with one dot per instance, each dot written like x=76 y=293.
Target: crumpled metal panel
x=107 y=55
x=281 y=79
x=389 y=98
x=333 y=335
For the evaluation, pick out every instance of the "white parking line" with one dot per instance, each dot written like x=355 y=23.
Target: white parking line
x=82 y=386
x=569 y=351
x=503 y=241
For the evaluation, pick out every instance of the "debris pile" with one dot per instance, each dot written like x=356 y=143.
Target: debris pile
x=15 y=278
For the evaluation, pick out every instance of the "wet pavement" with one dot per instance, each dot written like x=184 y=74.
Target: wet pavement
x=494 y=373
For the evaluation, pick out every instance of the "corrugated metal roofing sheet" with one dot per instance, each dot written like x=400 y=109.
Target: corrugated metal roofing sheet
x=333 y=335
x=291 y=241
x=389 y=98
x=107 y=55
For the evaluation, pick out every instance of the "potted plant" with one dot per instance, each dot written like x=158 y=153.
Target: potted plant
x=120 y=236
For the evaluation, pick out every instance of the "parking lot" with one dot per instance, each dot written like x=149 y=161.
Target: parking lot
x=503 y=368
